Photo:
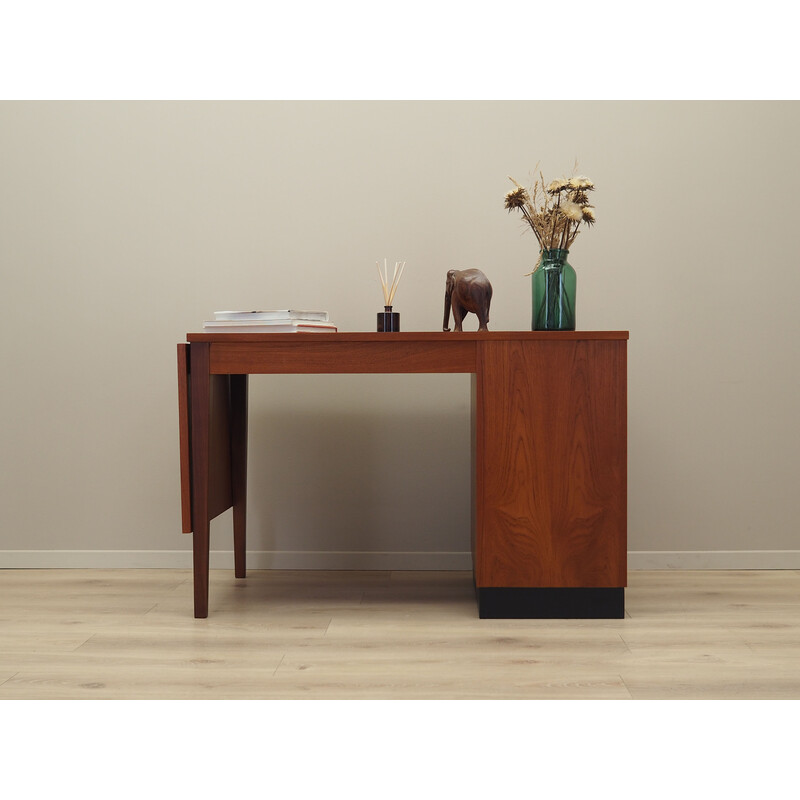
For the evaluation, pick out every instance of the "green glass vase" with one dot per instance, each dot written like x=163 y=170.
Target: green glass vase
x=553 y=286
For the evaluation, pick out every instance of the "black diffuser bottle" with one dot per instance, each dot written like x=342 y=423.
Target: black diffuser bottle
x=388 y=320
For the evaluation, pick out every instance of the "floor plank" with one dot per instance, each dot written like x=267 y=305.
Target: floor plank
x=130 y=634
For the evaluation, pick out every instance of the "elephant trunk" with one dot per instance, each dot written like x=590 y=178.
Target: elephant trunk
x=446 y=323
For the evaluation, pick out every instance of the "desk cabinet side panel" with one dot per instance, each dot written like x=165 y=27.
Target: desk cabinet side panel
x=553 y=464
x=476 y=455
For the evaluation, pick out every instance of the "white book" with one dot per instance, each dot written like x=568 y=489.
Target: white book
x=282 y=315
x=272 y=326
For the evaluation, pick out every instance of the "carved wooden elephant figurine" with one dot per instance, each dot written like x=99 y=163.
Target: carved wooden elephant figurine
x=467 y=290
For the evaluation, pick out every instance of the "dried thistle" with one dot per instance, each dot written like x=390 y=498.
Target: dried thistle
x=580 y=182
x=572 y=211
x=580 y=197
x=556 y=187
x=517 y=198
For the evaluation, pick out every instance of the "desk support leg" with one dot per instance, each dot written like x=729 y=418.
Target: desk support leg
x=201 y=402
x=239 y=470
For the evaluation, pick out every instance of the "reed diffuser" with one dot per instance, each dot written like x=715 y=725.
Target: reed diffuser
x=388 y=320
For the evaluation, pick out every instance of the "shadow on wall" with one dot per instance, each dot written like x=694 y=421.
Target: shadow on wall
x=354 y=481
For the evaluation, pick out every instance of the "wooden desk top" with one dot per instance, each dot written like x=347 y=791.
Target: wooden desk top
x=411 y=336
x=339 y=353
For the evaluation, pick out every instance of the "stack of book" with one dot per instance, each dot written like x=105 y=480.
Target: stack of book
x=269 y=322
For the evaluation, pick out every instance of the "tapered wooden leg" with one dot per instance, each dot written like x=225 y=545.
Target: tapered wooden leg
x=201 y=400
x=239 y=470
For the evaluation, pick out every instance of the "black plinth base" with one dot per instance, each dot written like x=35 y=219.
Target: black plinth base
x=550 y=603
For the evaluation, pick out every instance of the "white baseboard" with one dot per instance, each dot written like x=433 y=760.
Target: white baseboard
x=366 y=560
x=713 y=559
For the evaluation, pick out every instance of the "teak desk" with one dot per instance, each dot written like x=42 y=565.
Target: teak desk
x=549 y=451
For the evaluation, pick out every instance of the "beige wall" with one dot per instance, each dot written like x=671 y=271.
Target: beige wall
x=124 y=225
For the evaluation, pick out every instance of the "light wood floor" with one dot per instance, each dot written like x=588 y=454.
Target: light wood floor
x=349 y=635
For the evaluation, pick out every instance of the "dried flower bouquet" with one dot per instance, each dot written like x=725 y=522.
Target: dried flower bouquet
x=554 y=211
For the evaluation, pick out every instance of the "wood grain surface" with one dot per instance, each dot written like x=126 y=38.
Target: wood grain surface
x=411 y=336
x=200 y=392
x=184 y=437
x=552 y=502
x=549 y=440
x=323 y=354
x=238 y=432
x=415 y=351
x=128 y=633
